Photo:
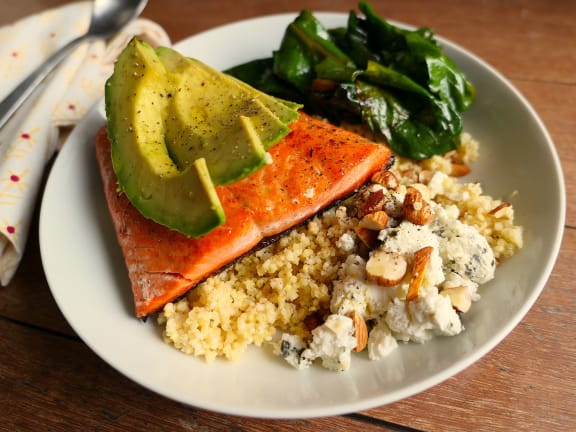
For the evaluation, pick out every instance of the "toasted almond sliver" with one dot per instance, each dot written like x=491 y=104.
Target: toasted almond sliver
x=360 y=331
x=374 y=221
x=419 y=264
x=386 y=268
x=459 y=170
x=496 y=210
x=459 y=297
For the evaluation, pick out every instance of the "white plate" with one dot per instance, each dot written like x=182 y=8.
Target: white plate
x=85 y=269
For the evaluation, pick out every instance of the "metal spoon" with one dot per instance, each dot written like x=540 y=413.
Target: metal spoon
x=108 y=17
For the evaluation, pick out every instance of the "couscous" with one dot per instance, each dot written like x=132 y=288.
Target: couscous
x=304 y=295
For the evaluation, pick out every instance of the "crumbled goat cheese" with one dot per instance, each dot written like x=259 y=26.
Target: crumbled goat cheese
x=461 y=257
x=381 y=342
x=291 y=347
x=393 y=204
x=420 y=320
x=348 y=294
x=346 y=242
x=351 y=292
x=463 y=249
x=333 y=343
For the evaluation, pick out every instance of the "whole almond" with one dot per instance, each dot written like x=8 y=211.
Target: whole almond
x=424 y=190
x=376 y=221
x=374 y=202
x=386 y=178
x=415 y=208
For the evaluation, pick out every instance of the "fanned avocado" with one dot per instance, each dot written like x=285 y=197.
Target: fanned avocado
x=184 y=198
x=229 y=124
x=286 y=111
x=179 y=127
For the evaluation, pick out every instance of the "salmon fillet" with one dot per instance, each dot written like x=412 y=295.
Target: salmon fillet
x=313 y=166
x=164 y=264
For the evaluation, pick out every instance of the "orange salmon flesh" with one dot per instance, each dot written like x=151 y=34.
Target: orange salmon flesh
x=315 y=165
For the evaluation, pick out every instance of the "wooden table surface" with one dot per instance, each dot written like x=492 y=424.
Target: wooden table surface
x=51 y=381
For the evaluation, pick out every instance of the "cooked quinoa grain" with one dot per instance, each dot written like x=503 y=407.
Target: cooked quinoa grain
x=275 y=288
x=283 y=288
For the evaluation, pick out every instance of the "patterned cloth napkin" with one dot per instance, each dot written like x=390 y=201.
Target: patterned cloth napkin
x=32 y=136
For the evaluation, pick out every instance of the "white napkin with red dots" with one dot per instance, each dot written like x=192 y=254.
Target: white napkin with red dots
x=31 y=137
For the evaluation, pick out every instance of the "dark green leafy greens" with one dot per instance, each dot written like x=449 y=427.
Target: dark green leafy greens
x=396 y=81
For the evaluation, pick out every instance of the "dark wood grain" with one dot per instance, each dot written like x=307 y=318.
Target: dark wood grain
x=51 y=381
x=552 y=101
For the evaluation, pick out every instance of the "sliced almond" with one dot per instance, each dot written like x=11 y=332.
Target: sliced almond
x=367 y=236
x=386 y=268
x=459 y=297
x=360 y=331
x=415 y=208
x=419 y=265
x=386 y=178
x=376 y=221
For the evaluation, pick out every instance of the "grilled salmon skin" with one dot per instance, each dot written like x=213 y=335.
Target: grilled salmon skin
x=313 y=166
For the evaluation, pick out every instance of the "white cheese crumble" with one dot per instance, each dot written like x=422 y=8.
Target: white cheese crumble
x=464 y=250
x=461 y=257
x=332 y=343
x=381 y=342
x=346 y=242
x=291 y=347
x=420 y=320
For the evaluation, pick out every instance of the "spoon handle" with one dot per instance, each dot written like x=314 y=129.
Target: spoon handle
x=16 y=97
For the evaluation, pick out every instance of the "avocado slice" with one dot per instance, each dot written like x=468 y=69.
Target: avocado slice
x=286 y=111
x=178 y=128
x=234 y=141
x=182 y=198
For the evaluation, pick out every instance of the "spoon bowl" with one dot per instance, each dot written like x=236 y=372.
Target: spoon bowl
x=108 y=17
